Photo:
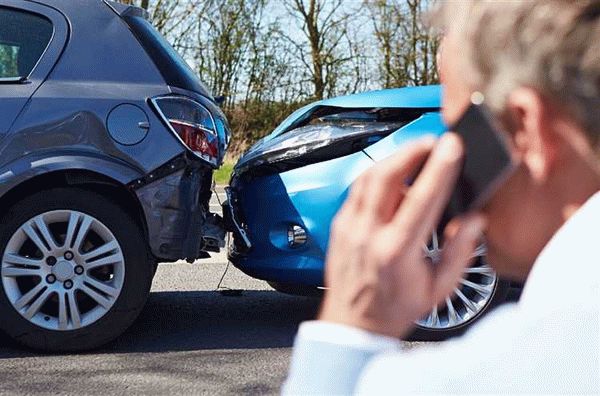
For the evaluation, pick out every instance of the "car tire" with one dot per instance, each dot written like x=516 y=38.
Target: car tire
x=499 y=296
x=295 y=289
x=119 y=289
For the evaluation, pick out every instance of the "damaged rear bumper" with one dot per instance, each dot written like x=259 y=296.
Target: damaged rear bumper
x=175 y=201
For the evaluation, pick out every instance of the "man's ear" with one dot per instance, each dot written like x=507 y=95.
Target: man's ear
x=531 y=121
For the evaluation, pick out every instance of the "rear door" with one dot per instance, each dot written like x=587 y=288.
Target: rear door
x=32 y=37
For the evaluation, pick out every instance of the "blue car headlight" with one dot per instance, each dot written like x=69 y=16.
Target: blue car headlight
x=311 y=144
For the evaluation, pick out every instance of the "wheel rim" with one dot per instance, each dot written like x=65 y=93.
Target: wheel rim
x=63 y=270
x=469 y=300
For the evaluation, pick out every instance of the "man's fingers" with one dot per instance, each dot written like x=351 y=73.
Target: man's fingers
x=428 y=196
x=356 y=196
x=462 y=236
x=387 y=179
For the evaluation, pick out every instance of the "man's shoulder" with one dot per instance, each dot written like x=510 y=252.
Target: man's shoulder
x=507 y=351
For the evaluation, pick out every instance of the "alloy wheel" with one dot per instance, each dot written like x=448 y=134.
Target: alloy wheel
x=469 y=299
x=63 y=270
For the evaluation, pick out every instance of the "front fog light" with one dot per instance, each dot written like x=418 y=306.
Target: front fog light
x=296 y=236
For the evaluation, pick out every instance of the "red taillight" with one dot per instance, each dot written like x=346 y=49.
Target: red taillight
x=199 y=140
x=193 y=124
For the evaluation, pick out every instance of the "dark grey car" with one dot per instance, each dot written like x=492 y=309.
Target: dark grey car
x=108 y=142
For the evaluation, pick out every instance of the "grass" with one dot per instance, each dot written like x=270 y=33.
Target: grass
x=223 y=174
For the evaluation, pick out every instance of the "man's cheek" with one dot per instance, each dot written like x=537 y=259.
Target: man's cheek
x=493 y=257
x=505 y=205
x=499 y=212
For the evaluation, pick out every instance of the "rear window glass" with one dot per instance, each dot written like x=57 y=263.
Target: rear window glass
x=171 y=65
x=23 y=39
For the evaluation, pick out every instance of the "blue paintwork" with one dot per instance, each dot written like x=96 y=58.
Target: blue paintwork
x=310 y=196
x=410 y=97
x=428 y=124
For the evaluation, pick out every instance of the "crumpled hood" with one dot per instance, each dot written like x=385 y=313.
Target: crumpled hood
x=429 y=96
x=425 y=97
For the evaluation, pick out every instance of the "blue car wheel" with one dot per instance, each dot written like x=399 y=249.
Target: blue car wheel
x=479 y=290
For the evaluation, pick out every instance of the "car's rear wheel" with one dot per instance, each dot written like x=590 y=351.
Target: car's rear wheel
x=479 y=290
x=75 y=270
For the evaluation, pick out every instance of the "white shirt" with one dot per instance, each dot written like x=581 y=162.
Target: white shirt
x=547 y=343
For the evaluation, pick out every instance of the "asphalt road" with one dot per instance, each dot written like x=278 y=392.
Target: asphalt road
x=189 y=339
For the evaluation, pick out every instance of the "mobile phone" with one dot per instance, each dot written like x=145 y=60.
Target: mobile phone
x=487 y=162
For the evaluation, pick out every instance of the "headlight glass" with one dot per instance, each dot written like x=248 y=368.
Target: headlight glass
x=325 y=141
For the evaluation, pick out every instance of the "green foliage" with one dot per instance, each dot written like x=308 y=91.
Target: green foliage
x=223 y=174
x=406 y=47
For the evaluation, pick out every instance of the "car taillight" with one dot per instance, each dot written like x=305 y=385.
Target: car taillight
x=197 y=138
x=192 y=124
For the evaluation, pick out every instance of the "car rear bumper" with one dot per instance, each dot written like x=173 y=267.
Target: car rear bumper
x=175 y=201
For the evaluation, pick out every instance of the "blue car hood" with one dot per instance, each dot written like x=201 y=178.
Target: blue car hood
x=426 y=97
x=410 y=97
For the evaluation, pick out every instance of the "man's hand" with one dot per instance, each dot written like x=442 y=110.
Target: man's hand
x=376 y=272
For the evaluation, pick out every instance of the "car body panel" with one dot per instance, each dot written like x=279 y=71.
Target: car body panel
x=69 y=114
x=311 y=195
x=34 y=165
x=427 y=124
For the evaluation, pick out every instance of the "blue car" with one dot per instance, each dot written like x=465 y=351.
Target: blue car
x=287 y=188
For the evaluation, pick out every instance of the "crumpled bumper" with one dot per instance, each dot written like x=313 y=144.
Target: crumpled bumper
x=175 y=201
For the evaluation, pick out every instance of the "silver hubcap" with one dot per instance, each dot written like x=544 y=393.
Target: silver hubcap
x=63 y=270
x=469 y=299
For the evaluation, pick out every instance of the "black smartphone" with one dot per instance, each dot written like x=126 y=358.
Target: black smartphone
x=487 y=162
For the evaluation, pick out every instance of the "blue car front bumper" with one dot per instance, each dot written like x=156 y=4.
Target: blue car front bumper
x=265 y=207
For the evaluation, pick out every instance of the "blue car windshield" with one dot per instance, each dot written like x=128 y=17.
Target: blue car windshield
x=171 y=65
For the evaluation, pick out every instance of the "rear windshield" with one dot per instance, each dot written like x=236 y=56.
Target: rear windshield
x=171 y=65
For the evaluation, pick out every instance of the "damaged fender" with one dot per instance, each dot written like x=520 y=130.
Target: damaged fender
x=175 y=200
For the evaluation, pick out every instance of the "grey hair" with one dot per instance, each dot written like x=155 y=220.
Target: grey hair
x=552 y=46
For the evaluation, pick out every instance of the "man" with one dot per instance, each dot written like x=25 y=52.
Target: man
x=537 y=64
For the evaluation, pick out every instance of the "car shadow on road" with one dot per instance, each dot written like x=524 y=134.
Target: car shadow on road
x=205 y=320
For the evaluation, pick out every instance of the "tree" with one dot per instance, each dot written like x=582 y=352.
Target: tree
x=407 y=49
x=323 y=24
x=226 y=32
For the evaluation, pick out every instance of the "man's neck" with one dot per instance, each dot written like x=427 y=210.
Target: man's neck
x=580 y=190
